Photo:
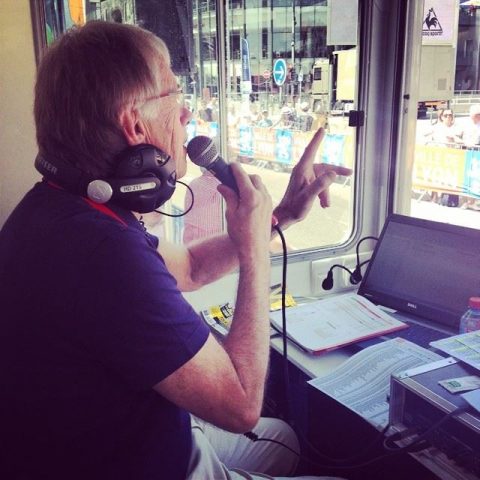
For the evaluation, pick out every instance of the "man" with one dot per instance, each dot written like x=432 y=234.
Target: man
x=106 y=369
x=305 y=120
x=471 y=134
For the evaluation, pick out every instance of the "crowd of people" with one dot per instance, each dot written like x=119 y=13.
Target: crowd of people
x=447 y=131
x=298 y=117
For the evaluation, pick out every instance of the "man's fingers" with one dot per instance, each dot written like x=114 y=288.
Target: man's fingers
x=321 y=168
x=230 y=197
x=311 y=149
x=320 y=187
x=241 y=176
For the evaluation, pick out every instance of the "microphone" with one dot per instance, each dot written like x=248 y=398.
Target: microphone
x=203 y=152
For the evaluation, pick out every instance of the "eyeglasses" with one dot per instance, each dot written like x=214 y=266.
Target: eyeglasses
x=178 y=96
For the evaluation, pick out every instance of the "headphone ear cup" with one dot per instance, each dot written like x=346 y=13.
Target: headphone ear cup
x=145 y=178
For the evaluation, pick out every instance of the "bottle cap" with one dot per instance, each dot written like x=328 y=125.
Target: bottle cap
x=474 y=302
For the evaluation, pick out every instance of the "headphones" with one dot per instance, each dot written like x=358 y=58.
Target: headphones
x=144 y=179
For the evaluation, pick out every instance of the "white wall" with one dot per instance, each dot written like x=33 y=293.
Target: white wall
x=17 y=75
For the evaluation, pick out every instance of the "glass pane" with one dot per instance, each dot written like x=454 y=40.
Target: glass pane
x=286 y=78
x=446 y=168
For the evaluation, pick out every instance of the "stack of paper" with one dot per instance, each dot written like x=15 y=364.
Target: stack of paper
x=334 y=322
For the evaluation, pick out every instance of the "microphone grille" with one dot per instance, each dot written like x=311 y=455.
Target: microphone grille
x=202 y=151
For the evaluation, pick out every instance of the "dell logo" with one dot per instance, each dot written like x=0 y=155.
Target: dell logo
x=411 y=305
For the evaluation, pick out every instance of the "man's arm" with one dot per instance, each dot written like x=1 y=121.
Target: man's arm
x=205 y=261
x=199 y=263
x=224 y=384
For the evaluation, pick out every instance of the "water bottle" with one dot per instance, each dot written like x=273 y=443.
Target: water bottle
x=471 y=318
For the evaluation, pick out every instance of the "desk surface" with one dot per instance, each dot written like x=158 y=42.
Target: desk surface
x=313 y=365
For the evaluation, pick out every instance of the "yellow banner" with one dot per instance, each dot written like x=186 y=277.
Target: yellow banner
x=439 y=168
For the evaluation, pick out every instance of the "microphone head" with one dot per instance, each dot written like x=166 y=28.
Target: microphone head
x=202 y=151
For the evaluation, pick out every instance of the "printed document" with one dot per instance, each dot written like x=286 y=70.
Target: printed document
x=362 y=383
x=334 y=322
x=465 y=347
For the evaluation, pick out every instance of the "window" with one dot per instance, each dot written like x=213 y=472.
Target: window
x=444 y=176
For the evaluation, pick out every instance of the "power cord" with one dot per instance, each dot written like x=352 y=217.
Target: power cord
x=387 y=444
x=417 y=445
x=355 y=275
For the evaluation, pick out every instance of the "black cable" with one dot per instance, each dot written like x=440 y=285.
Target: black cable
x=355 y=275
x=418 y=444
x=286 y=375
x=369 y=237
x=423 y=436
x=187 y=210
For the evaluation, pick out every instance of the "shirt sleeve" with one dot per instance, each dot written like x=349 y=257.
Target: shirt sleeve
x=132 y=316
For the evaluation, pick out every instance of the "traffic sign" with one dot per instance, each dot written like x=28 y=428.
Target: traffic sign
x=279 y=71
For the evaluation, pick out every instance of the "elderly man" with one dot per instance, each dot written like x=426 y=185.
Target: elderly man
x=107 y=372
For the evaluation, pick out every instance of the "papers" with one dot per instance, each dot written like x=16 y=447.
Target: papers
x=334 y=322
x=362 y=382
x=465 y=347
x=219 y=317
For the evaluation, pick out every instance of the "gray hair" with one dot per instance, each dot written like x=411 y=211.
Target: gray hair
x=84 y=82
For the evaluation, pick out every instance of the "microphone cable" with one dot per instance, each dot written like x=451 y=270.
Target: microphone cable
x=335 y=463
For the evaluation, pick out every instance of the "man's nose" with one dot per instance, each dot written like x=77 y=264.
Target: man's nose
x=185 y=116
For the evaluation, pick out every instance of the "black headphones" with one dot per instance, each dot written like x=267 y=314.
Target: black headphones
x=144 y=179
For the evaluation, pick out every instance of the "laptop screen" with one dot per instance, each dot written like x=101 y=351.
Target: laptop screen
x=424 y=268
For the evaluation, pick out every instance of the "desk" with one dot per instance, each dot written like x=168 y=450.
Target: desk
x=335 y=430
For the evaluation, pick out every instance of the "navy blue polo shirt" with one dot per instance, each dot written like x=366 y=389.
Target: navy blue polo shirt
x=90 y=321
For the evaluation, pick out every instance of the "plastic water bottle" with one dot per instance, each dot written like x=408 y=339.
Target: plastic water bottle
x=471 y=318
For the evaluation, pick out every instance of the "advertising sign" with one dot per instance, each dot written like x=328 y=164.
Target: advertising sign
x=439 y=19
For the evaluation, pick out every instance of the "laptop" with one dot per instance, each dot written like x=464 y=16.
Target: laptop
x=425 y=272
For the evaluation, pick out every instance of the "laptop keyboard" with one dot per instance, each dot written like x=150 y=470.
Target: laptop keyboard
x=419 y=334
x=415 y=333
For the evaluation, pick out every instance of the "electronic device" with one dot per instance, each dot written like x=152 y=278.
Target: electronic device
x=203 y=152
x=144 y=178
x=426 y=271
x=418 y=405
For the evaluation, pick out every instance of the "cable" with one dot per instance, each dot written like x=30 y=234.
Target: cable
x=423 y=436
x=369 y=237
x=254 y=438
x=187 y=210
x=356 y=275
x=286 y=376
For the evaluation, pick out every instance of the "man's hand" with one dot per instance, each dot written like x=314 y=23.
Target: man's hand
x=308 y=181
x=248 y=215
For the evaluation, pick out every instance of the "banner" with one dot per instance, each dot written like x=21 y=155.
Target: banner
x=472 y=173
x=245 y=141
x=333 y=149
x=439 y=168
x=283 y=146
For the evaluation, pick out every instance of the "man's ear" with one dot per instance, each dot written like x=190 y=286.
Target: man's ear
x=133 y=127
